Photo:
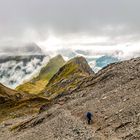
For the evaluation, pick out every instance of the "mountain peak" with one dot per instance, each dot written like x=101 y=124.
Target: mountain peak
x=75 y=66
x=82 y=64
x=21 y=49
x=53 y=65
x=59 y=56
x=77 y=59
x=68 y=77
x=32 y=48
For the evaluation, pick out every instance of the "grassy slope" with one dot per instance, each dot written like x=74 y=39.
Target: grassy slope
x=23 y=108
x=15 y=104
x=68 y=77
x=37 y=84
x=65 y=80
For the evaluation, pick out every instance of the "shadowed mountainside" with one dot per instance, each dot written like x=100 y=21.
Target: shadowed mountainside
x=15 y=104
x=9 y=95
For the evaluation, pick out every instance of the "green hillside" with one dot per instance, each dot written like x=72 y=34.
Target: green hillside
x=68 y=77
x=37 y=84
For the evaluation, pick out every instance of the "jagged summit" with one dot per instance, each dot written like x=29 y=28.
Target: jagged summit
x=32 y=48
x=82 y=63
x=59 y=56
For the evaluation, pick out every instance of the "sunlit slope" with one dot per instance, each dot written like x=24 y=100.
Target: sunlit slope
x=37 y=84
x=68 y=77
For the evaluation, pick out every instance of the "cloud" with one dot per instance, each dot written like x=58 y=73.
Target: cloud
x=101 y=26
x=35 y=19
x=88 y=46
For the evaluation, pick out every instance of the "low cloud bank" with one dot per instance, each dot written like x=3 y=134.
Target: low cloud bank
x=90 y=47
x=99 y=52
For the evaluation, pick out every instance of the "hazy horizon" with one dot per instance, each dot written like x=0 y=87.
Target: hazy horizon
x=104 y=27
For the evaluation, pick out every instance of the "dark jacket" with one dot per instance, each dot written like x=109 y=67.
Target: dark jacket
x=89 y=117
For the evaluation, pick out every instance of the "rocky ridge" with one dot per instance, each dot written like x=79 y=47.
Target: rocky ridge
x=112 y=95
x=67 y=78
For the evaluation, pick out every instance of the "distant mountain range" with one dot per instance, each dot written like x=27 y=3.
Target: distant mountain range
x=20 y=63
x=24 y=49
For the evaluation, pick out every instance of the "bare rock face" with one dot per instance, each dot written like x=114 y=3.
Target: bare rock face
x=23 y=48
x=112 y=95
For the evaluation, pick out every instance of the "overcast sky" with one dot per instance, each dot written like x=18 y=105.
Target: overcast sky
x=36 y=20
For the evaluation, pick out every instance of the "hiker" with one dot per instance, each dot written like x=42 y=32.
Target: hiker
x=89 y=117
